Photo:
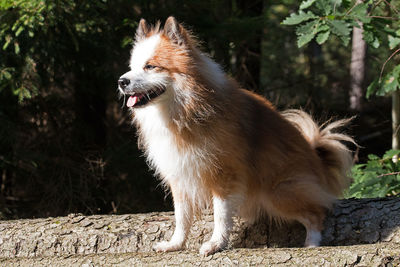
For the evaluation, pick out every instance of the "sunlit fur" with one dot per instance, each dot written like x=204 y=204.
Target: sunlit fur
x=210 y=141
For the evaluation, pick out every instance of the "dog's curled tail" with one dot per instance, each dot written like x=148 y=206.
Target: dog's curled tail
x=335 y=156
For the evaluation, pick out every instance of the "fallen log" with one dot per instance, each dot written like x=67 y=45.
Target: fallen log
x=351 y=222
x=361 y=255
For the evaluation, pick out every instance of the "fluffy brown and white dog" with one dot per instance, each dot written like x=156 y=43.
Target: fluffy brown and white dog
x=214 y=144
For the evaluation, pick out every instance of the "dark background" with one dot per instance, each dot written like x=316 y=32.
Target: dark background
x=66 y=142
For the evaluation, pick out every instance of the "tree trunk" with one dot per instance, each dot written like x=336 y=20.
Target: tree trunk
x=352 y=222
x=357 y=67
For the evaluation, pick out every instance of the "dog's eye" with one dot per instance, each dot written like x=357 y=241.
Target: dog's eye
x=149 y=67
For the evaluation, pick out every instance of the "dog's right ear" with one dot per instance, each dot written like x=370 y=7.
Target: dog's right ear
x=175 y=32
x=142 y=30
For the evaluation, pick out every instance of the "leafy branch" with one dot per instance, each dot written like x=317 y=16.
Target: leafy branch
x=321 y=19
x=378 y=177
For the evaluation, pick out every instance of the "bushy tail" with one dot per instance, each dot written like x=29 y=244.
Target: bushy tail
x=336 y=157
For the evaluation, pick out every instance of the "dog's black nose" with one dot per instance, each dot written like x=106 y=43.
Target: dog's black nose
x=123 y=82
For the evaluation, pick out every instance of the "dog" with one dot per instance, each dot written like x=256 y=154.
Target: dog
x=216 y=145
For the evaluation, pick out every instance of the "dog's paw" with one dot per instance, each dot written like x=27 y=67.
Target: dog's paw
x=166 y=246
x=211 y=247
x=313 y=239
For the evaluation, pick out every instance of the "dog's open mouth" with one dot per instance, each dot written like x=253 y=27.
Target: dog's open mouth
x=141 y=99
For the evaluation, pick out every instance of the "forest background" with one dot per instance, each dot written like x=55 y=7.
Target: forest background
x=66 y=141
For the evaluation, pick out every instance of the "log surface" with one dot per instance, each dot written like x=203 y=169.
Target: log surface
x=361 y=255
x=129 y=238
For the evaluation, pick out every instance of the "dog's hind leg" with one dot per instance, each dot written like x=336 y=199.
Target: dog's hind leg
x=314 y=226
x=304 y=201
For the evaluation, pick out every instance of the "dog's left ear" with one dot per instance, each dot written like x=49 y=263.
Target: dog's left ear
x=175 y=32
x=142 y=30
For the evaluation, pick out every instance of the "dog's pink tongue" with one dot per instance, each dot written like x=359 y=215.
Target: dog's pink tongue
x=131 y=101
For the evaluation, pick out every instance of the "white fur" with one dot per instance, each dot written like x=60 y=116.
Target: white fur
x=142 y=52
x=181 y=167
x=183 y=221
x=313 y=238
x=142 y=80
x=213 y=72
x=223 y=212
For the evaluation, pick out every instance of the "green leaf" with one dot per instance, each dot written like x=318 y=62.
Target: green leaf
x=304 y=39
x=373 y=157
x=367 y=179
x=307 y=32
x=322 y=27
x=376 y=43
x=360 y=12
x=390 y=82
x=294 y=18
x=393 y=41
x=341 y=29
x=306 y=4
x=126 y=41
x=322 y=37
x=369 y=36
x=18 y=32
x=308 y=28
x=325 y=5
x=16 y=48
x=372 y=88
x=4 y=74
x=389 y=154
x=8 y=41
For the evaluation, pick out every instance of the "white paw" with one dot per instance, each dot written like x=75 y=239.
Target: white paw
x=313 y=239
x=165 y=246
x=211 y=247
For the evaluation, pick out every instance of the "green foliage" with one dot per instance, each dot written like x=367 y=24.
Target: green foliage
x=339 y=17
x=327 y=17
x=295 y=19
x=379 y=177
x=394 y=41
x=383 y=86
x=18 y=21
x=323 y=22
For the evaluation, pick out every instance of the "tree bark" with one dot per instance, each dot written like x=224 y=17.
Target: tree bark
x=95 y=239
x=357 y=67
x=363 y=255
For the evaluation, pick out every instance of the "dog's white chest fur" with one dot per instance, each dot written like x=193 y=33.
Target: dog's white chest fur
x=175 y=165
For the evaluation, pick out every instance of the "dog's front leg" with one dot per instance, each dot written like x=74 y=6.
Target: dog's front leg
x=223 y=212
x=183 y=221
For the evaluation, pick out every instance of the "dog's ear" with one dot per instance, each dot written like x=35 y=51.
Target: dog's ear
x=175 y=32
x=142 y=30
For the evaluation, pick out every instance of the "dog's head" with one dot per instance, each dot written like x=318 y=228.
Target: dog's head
x=159 y=60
